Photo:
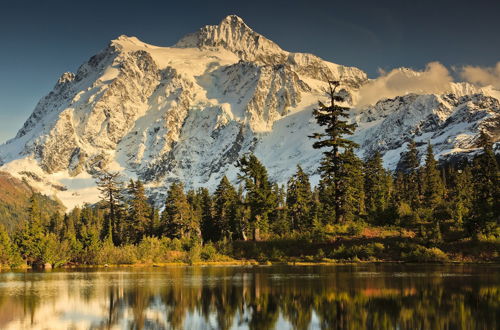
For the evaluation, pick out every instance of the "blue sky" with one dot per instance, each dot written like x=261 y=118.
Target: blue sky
x=39 y=40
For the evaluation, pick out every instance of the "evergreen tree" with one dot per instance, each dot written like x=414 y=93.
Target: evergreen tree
x=242 y=228
x=433 y=188
x=30 y=237
x=377 y=187
x=280 y=224
x=299 y=201
x=139 y=212
x=177 y=217
x=210 y=230
x=461 y=192
x=411 y=164
x=154 y=222
x=485 y=214
x=334 y=172
x=110 y=186
x=353 y=187
x=56 y=224
x=225 y=204
x=8 y=252
x=260 y=197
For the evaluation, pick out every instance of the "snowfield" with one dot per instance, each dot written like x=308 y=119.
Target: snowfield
x=189 y=111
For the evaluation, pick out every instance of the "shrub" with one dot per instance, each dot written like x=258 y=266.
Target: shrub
x=422 y=254
x=357 y=252
x=194 y=254
x=355 y=228
x=320 y=255
x=151 y=249
x=209 y=253
x=277 y=254
x=116 y=255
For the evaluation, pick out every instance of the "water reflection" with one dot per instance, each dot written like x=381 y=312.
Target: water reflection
x=323 y=297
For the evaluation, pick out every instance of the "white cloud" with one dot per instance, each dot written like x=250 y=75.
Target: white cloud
x=434 y=79
x=482 y=76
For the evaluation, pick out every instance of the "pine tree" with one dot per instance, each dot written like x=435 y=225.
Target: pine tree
x=279 y=224
x=433 y=188
x=29 y=239
x=242 y=228
x=299 y=201
x=485 y=214
x=461 y=192
x=110 y=186
x=154 y=222
x=176 y=219
x=377 y=187
x=9 y=255
x=210 y=231
x=334 y=173
x=260 y=197
x=225 y=208
x=139 y=212
x=352 y=188
x=411 y=164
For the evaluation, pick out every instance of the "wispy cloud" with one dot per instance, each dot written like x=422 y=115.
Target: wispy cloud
x=435 y=78
x=482 y=76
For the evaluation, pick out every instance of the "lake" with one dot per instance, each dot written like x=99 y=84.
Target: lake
x=380 y=296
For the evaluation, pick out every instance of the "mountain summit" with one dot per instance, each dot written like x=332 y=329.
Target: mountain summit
x=234 y=35
x=188 y=112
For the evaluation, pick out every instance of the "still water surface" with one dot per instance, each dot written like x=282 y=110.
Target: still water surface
x=267 y=297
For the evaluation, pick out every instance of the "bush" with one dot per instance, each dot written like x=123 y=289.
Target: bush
x=116 y=255
x=209 y=253
x=320 y=255
x=355 y=228
x=151 y=249
x=422 y=254
x=362 y=252
x=194 y=254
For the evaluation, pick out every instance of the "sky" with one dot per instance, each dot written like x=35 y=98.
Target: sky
x=40 y=40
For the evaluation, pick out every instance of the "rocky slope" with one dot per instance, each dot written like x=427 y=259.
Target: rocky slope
x=187 y=113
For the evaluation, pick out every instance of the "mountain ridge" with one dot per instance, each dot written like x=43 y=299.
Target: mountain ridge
x=188 y=112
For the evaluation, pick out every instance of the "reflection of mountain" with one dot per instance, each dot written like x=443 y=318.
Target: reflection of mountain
x=346 y=297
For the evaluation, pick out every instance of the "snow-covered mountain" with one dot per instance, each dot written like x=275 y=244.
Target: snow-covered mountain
x=189 y=111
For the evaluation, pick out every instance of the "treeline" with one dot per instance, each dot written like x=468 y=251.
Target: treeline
x=453 y=201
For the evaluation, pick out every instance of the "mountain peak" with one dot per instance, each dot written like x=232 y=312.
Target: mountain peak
x=234 y=35
x=232 y=19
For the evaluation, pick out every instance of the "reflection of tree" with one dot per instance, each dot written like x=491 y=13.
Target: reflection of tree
x=259 y=297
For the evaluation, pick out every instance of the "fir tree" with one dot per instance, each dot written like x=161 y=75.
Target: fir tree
x=485 y=214
x=139 y=212
x=353 y=186
x=154 y=222
x=410 y=167
x=377 y=187
x=210 y=232
x=433 y=188
x=260 y=197
x=30 y=237
x=8 y=252
x=299 y=201
x=110 y=186
x=280 y=225
x=176 y=219
x=225 y=204
x=461 y=192
x=334 y=172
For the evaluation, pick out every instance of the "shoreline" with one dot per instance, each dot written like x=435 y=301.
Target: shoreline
x=250 y=262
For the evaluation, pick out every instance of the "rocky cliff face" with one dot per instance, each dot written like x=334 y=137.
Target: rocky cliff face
x=188 y=112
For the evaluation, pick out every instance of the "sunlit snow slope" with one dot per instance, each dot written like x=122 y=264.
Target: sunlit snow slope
x=188 y=112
